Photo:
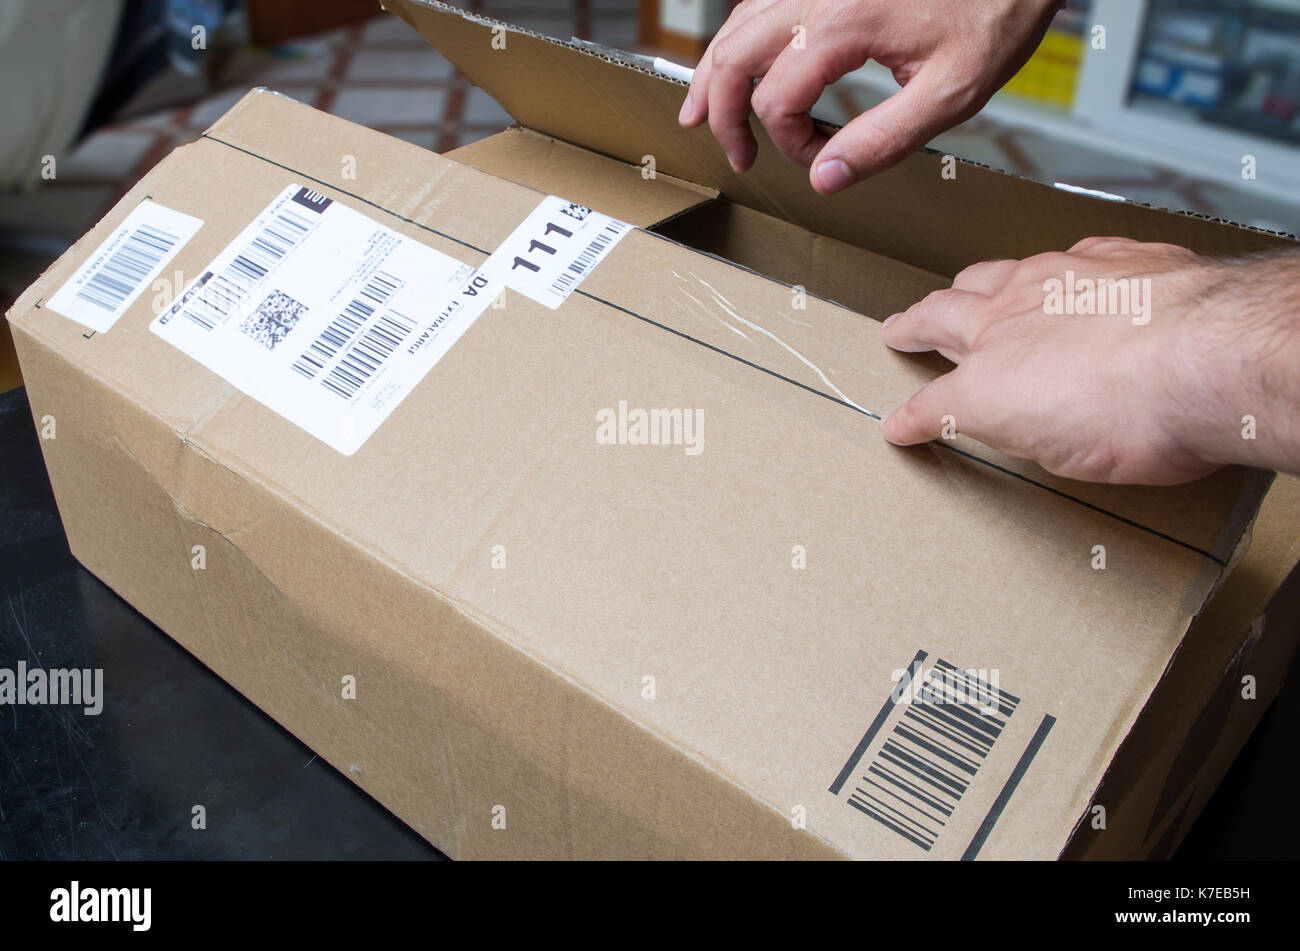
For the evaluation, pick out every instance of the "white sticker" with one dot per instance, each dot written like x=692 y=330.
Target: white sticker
x=558 y=245
x=124 y=265
x=325 y=316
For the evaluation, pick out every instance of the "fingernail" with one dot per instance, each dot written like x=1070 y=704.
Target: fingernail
x=889 y=320
x=685 y=115
x=833 y=175
x=734 y=167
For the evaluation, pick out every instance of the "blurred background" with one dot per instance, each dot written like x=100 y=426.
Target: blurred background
x=1190 y=105
x=1184 y=104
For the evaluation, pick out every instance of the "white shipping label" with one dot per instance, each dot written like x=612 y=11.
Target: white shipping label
x=557 y=245
x=325 y=316
x=124 y=265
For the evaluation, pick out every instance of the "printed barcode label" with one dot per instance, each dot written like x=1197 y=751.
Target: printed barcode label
x=233 y=280
x=933 y=753
x=574 y=273
x=124 y=265
x=325 y=316
x=344 y=327
x=126 y=268
x=368 y=354
x=945 y=723
x=553 y=250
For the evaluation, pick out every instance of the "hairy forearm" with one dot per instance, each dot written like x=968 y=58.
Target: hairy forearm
x=1235 y=372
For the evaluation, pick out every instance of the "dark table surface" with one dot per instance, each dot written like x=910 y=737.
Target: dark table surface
x=172 y=735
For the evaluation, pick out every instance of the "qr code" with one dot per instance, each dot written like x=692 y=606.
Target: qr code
x=274 y=318
x=576 y=212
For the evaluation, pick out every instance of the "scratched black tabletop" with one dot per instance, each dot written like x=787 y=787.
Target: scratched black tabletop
x=172 y=735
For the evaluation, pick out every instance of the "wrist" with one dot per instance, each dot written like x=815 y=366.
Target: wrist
x=1045 y=9
x=1232 y=372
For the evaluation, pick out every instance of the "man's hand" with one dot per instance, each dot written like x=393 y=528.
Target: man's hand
x=1202 y=369
x=949 y=56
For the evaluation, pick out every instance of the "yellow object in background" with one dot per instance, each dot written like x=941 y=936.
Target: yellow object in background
x=1052 y=72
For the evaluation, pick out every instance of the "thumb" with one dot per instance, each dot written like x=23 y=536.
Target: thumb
x=924 y=416
x=883 y=136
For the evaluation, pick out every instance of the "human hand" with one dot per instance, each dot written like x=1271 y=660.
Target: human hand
x=1159 y=394
x=949 y=56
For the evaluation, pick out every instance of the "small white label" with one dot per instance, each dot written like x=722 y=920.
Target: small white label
x=555 y=248
x=325 y=316
x=124 y=265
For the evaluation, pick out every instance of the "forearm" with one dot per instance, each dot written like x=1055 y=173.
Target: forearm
x=1234 y=374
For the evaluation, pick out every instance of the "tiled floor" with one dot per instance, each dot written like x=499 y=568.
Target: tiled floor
x=383 y=75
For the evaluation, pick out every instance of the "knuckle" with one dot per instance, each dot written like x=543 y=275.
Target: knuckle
x=1177 y=250
x=724 y=116
x=974 y=273
x=1087 y=244
x=821 y=15
x=1049 y=262
x=763 y=101
x=833 y=17
x=730 y=127
x=721 y=131
x=929 y=315
x=1027 y=297
x=1103 y=242
x=942 y=300
x=768 y=102
x=725 y=54
x=904 y=419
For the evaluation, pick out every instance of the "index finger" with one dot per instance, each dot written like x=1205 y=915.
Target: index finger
x=796 y=80
x=696 y=107
x=882 y=136
x=746 y=53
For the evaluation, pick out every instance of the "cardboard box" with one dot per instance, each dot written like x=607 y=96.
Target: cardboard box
x=528 y=632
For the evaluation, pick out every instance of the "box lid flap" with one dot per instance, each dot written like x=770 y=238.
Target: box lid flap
x=576 y=94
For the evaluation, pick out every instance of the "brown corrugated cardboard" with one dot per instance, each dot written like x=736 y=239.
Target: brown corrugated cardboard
x=567 y=649
x=1205 y=708
x=521 y=155
x=627 y=112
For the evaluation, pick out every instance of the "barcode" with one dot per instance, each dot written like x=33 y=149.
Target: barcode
x=377 y=292
x=588 y=257
x=368 y=354
x=126 y=268
x=931 y=756
x=246 y=271
x=273 y=319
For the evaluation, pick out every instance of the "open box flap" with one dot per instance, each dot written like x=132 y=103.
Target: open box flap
x=615 y=188
x=911 y=213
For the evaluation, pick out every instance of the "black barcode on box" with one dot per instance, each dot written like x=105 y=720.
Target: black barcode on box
x=377 y=292
x=122 y=274
x=368 y=354
x=933 y=753
x=248 y=269
x=583 y=262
